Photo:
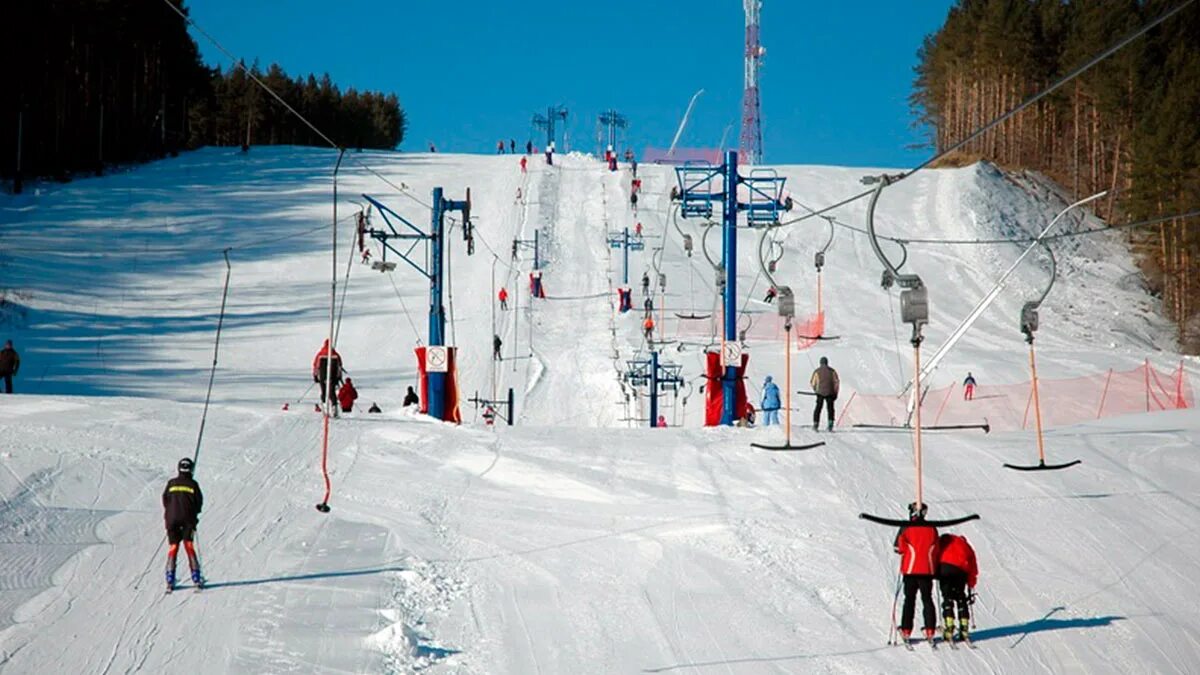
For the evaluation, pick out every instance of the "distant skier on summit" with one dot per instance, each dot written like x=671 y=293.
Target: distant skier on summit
x=182 y=502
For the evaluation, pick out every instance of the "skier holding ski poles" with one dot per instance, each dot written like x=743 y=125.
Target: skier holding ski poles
x=182 y=501
x=917 y=545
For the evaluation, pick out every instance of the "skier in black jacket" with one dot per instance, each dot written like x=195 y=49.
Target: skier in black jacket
x=182 y=501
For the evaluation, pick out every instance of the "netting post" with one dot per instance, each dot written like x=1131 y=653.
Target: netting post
x=1104 y=394
x=944 y=402
x=1146 y=366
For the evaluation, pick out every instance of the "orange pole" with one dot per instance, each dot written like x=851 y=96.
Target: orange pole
x=787 y=413
x=1037 y=406
x=1104 y=394
x=917 y=429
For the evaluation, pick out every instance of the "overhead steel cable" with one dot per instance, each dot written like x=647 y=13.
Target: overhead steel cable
x=1088 y=65
x=240 y=63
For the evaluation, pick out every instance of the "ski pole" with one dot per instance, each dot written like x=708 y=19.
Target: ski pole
x=310 y=386
x=895 y=600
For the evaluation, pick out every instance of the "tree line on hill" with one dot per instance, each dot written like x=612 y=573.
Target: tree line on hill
x=1128 y=125
x=90 y=83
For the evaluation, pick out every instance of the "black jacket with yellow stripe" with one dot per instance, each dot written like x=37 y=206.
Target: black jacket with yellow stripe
x=182 y=501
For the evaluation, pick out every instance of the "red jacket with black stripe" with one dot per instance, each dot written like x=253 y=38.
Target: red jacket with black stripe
x=918 y=548
x=955 y=550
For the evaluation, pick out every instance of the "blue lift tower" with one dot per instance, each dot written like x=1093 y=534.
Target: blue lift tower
x=659 y=375
x=621 y=239
x=431 y=268
x=697 y=193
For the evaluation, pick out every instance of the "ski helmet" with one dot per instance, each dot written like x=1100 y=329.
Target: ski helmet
x=917 y=514
x=186 y=465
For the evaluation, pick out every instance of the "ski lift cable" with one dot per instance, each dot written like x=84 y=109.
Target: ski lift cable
x=216 y=350
x=240 y=63
x=1088 y=65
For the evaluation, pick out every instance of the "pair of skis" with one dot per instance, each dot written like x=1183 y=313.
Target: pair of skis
x=933 y=643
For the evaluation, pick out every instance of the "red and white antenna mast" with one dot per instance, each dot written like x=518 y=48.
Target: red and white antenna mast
x=751 y=142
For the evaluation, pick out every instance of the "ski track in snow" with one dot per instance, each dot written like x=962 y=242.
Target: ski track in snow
x=577 y=541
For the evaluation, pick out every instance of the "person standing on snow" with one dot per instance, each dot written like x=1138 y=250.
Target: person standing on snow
x=969 y=387
x=648 y=327
x=10 y=363
x=524 y=164
x=770 y=402
x=917 y=544
x=637 y=229
x=512 y=146
x=411 y=397
x=503 y=296
x=957 y=572
x=662 y=422
x=347 y=395
x=529 y=147
x=182 y=502
x=825 y=384
x=327 y=365
x=496 y=344
x=645 y=283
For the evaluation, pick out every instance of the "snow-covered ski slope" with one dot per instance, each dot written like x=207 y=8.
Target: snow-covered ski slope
x=572 y=542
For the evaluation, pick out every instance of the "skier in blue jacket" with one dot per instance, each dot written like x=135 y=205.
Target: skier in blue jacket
x=770 y=402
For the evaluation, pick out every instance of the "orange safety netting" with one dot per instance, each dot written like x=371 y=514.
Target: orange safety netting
x=1009 y=407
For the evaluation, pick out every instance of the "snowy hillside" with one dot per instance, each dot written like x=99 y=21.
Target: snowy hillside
x=578 y=540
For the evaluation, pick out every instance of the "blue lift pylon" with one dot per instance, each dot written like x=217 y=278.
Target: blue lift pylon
x=431 y=268
x=534 y=244
x=621 y=239
x=697 y=193
x=657 y=374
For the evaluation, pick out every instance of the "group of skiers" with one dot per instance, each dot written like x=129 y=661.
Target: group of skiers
x=926 y=557
x=825 y=386
x=327 y=373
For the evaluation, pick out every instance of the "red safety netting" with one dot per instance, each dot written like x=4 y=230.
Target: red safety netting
x=1009 y=407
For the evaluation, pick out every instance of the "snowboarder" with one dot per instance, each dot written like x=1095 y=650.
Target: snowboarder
x=327 y=364
x=771 y=293
x=347 y=395
x=770 y=402
x=182 y=502
x=969 y=387
x=645 y=283
x=957 y=572
x=375 y=406
x=10 y=363
x=825 y=384
x=496 y=344
x=503 y=296
x=524 y=163
x=662 y=422
x=648 y=328
x=411 y=397
x=917 y=544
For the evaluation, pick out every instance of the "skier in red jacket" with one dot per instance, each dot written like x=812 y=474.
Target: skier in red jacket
x=917 y=545
x=347 y=395
x=957 y=572
x=321 y=370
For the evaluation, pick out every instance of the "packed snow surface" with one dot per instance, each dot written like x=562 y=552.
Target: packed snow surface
x=578 y=540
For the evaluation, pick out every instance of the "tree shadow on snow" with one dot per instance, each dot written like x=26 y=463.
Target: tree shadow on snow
x=303 y=577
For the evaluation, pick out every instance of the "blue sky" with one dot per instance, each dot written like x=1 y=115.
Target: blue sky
x=834 y=84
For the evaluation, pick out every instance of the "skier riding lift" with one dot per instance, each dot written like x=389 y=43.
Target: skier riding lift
x=825 y=384
x=322 y=369
x=182 y=502
x=770 y=402
x=917 y=544
x=957 y=572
